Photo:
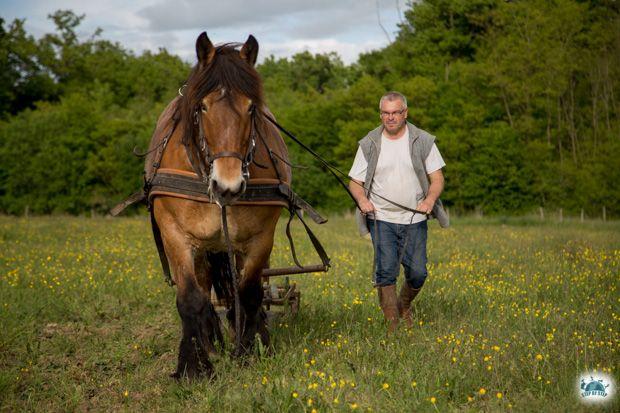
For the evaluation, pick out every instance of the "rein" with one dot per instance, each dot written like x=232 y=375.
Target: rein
x=335 y=171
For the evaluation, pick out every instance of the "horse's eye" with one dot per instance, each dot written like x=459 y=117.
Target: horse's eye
x=203 y=108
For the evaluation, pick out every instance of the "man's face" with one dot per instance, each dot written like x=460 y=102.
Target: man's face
x=393 y=116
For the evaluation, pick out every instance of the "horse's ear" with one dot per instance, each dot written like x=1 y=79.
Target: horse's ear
x=249 y=51
x=204 y=49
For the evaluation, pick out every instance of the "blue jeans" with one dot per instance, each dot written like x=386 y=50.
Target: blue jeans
x=388 y=242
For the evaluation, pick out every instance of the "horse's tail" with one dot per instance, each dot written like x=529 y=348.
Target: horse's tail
x=222 y=276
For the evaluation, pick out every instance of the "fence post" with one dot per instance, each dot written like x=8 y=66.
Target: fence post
x=582 y=215
x=561 y=215
x=604 y=214
x=541 y=212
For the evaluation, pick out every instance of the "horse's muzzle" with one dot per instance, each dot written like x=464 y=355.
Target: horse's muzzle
x=227 y=182
x=226 y=194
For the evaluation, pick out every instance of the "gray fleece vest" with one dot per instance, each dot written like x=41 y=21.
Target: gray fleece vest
x=420 y=144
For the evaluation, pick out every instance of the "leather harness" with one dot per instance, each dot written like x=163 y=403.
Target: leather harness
x=194 y=186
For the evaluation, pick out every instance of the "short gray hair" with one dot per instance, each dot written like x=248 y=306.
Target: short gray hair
x=391 y=96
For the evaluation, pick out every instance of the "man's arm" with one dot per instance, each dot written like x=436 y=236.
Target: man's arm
x=357 y=189
x=434 y=191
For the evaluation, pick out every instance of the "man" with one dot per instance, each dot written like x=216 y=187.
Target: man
x=397 y=163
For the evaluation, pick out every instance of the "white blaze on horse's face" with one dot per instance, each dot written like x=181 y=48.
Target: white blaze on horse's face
x=226 y=122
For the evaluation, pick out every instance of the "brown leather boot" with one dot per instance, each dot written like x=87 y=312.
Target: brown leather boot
x=406 y=296
x=388 y=302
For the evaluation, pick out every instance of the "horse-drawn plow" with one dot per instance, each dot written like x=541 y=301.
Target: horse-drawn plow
x=284 y=294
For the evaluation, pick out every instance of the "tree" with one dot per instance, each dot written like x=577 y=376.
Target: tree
x=23 y=79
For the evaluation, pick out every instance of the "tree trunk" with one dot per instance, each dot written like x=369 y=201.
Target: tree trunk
x=548 y=127
x=594 y=86
x=559 y=129
x=571 y=118
x=507 y=108
x=608 y=91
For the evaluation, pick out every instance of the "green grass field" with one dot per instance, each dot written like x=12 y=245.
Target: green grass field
x=512 y=312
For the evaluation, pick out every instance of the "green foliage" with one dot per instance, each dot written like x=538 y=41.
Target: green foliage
x=305 y=72
x=71 y=151
x=23 y=79
x=522 y=97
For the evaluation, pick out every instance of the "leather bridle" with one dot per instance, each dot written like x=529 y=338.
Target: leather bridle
x=207 y=157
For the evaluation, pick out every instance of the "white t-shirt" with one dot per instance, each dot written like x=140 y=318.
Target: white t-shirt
x=395 y=178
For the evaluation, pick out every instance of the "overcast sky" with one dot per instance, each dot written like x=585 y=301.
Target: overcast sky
x=282 y=27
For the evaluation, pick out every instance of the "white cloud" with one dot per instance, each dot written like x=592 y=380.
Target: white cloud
x=183 y=14
x=347 y=51
x=282 y=27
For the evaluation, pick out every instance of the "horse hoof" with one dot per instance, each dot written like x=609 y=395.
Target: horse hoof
x=242 y=355
x=194 y=373
x=238 y=353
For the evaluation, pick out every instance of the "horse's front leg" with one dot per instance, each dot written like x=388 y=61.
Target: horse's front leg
x=198 y=317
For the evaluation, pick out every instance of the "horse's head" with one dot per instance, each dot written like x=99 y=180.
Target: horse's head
x=223 y=95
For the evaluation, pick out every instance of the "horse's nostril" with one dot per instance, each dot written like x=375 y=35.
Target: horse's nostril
x=214 y=186
x=225 y=194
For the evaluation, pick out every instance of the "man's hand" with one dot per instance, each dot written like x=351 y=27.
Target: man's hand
x=357 y=190
x=366 y=206
x=426 y=206
x=434 y=191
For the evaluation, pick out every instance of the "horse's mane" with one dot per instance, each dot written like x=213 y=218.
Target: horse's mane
x=226 y=70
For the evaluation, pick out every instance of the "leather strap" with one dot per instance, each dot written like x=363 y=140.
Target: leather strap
x=188 y=184
x=315 y=241
x=132 y=199
x=290 y=238
x=299 y=203
x=227 y=154
x=160 y=250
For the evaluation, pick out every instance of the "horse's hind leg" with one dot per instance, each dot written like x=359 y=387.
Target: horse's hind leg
x=198 y=317
x=256 y=317
x=210 y=323
x=253 y=317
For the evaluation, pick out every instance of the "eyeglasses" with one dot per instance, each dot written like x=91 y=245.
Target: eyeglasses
x=397 y=112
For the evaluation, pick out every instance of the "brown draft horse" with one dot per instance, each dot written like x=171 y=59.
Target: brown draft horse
x=216 y=119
